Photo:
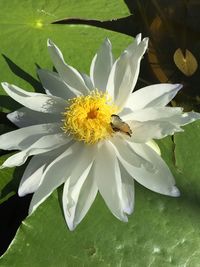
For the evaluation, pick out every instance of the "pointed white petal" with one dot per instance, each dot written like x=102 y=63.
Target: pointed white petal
x=24 y=117
x=123 y=149
x=152 y=144
x=157 y=95
x=57 y=173
x=147 y=130
x=101 y=66
x=70 y=75
x=77 y=194
x=128 y=193
x=54 y=85
x=88 y=81
x=152 y=114
x=186 y=118
x=33 y=174
x=35 y=101
x=108 y=179
x=44 y=144
x=30 y=185
x=160 y=127
x=119 y=75
x=159 y=180
x=86 y=198
x=24 y=137
x=131 y=48
x=125 y=71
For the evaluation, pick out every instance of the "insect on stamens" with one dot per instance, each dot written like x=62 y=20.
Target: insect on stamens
x=118 y=125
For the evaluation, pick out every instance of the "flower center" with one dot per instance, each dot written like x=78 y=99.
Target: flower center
x=88 y=118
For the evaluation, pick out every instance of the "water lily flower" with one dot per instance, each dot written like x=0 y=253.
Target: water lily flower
x=92 y=134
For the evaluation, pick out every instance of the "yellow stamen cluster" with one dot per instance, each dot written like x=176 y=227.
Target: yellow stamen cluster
x=88 y=118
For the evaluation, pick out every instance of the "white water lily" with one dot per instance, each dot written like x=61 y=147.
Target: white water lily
x=74 y=143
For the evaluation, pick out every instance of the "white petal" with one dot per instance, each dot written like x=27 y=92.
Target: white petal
x=56 y=173
x=153 y=113
x=33 y=174
x=77 y=194
x=131 y=48
x=152 y=144
x=123 y=149
x=24 y=137
x=101 y=66
x=87 y=81
x=145 y=131
x=127 y=191
x=160 y=180
x=87 y=196
x=30 y=185
x=119 y=75
x=54 y=85
x=157 y=95
x=24 y=117
x=186 y=118
x=161 y=127
x=70 y=75
x=108 y=179
x=124 y=73
x=44 y=144
x=35 y=101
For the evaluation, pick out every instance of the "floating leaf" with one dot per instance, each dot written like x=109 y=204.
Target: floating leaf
x=187 y=63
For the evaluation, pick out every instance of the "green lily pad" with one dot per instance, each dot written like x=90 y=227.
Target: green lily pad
x=30 y=11
x=163 y=231
x=187 y=161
